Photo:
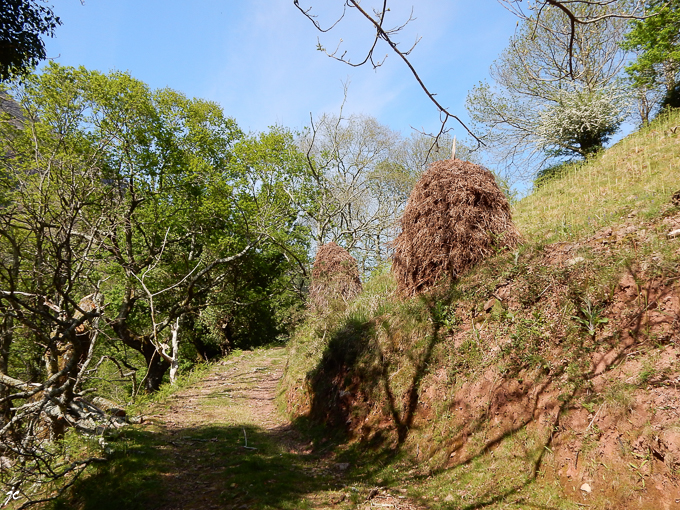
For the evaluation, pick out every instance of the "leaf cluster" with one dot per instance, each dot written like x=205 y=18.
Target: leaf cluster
x=23 y=24
x=656 y=40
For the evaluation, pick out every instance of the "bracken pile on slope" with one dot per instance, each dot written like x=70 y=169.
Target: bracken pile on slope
x=335 y=277
x=455 y=217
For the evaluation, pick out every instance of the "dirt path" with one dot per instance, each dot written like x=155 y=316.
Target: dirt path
x=224 y=445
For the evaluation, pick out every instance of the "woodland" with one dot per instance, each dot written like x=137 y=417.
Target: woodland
x=144 y=235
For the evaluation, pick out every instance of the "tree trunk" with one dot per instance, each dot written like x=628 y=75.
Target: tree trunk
x=174 y=364
x=206 y=351
x=157 y=366
x=6 y=337
x=155 y=363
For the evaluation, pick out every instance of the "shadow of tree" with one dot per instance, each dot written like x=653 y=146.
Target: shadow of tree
x=635 y=328
x=355 y=372
x=203 y=468
x=354 y=369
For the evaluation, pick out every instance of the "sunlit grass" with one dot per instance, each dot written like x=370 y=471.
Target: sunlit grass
x=433 y=344
x=391 y=346
x=637 y=175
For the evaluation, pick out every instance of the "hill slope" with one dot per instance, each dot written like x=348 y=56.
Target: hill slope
x=546 y=377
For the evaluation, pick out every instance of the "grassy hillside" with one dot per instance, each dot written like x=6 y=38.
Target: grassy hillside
x=545 y=377
x=634 y=176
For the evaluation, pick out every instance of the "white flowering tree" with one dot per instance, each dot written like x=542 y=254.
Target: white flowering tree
x=581 y=121
x=554 y=91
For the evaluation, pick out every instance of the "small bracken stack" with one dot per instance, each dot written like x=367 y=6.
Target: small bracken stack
x=455 y=217
x=335 y=278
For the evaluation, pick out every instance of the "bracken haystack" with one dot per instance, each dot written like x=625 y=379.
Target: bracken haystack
x=455 y=217
x=335 y=278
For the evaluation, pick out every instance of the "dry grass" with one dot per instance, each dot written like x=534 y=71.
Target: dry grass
x=455 y=217
x=335 y=278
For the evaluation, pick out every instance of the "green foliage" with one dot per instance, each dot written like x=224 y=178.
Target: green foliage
x=656 y=41
x=590 y=317
x=23 y=24
x=185 y=197
x=127 y=214
x=529 y=341
x=446 y=315
x=165 y=215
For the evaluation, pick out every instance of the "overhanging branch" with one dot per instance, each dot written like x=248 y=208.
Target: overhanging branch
x=387 y=36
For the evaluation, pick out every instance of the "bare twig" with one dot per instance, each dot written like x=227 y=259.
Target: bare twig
x=245 y=440
x=386 y=35
x=569 y=9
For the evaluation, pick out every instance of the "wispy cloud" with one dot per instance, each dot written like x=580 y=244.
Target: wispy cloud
x=258 y=58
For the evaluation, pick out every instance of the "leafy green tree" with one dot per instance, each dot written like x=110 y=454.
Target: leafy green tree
x=23 y=24
x=187 y=199
x=656 y=40
x=260 y=299
x=52 y=194
x=131 y=221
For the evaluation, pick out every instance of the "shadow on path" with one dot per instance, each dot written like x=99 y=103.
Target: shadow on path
x=217 y=444
x=206 y=468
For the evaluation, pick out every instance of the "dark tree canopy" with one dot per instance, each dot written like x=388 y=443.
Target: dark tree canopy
x=23 y=24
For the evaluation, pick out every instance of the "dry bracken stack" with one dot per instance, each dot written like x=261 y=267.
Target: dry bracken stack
x=335 y=278
x=675 y=198
x=455 y=217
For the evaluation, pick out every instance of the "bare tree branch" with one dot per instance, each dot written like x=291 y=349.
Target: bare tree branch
x=569 y=9
x=386 y=35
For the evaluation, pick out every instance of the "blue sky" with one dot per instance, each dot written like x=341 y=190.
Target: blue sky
x=258 y=58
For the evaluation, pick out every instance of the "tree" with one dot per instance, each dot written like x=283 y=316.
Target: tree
x=580 y=122
x=49 y=290
x=162 y=155
x=656 y=40
x=198 y=203
x=576 y=13
x=544 y=103
x=23 y=24
x=184 y=199
x=363 y=174
x=127 y=217
x=260 y=299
